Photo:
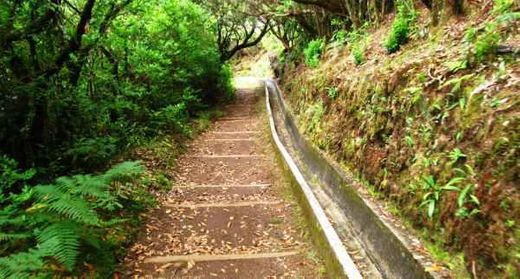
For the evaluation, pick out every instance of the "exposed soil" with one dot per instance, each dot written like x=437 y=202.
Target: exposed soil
x=227 y=201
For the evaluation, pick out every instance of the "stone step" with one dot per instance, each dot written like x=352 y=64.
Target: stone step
x=219 y=230
x=224 y=170
x=265 y=265
x=219 y=194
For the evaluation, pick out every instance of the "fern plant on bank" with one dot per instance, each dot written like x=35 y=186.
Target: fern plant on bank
x=49 y=230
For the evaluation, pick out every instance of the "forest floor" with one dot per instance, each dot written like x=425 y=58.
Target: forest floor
x=231 y=213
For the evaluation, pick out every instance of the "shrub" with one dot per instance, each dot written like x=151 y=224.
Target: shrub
x=90 y=153
x=173 y=118
x=401 y=26
x=225 y=82
x=157 y=55
x=340 y=37
x=484 y=44
x=313 y=52
x=10 y=175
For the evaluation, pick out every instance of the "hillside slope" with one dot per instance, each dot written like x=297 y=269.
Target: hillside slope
x=432 y=128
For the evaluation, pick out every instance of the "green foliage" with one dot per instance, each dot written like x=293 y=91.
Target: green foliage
x=468 y=204
x=127 y=80
x=455 y=155
x=463 y=211
x=358 y=41
x=502 y=6
x=55 y=227
x=313 y=52
x=225 y=82
x=401 y=26
x=332 y=92
x=172 y=117
x=482 y=44
x=487 y=43
x=359 y=55
x=91 y=152
x=340 y=36
x=434 y=191
x=11 y=175
x=61 y=241
x=470 y=34
x=75 y=97
x=313 y=116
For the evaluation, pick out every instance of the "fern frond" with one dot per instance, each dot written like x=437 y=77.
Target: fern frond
x=22 y=265
x=65 y=183
x=84 y=185
x=8 y=220
x=91 y=186
x=61 y=242
x=13 y=236
x=75 y=209
x=124 y=171
x=66 y=205
x=46 y=193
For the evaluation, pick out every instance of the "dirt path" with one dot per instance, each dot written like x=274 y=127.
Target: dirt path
x=229 y=215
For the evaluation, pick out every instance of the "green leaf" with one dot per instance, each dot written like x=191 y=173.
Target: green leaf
x=430 y=181
x=427 y=195
x=450 y=188
x=454 y=181
x=474 y=199
x=474 y=211
x=431 y=208
x=462 y=195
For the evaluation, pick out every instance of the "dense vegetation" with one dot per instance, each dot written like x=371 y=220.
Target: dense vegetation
x=84 y=79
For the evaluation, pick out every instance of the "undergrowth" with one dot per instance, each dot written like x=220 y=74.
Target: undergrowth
x=401 y=26
x=358 y=40
x=60 y=228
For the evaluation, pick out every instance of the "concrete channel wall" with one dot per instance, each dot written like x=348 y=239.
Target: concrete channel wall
x=387 y=248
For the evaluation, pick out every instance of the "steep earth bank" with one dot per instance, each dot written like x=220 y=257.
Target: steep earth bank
x=433 y=129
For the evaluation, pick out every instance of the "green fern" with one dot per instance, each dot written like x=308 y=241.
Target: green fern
x=23 y=265
x=124 y=171
x=6 y=236
x=92 y=188
x=83 y=185
x=60 y=241
x=66 y=205
x=66 y=220
x=13 y=221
